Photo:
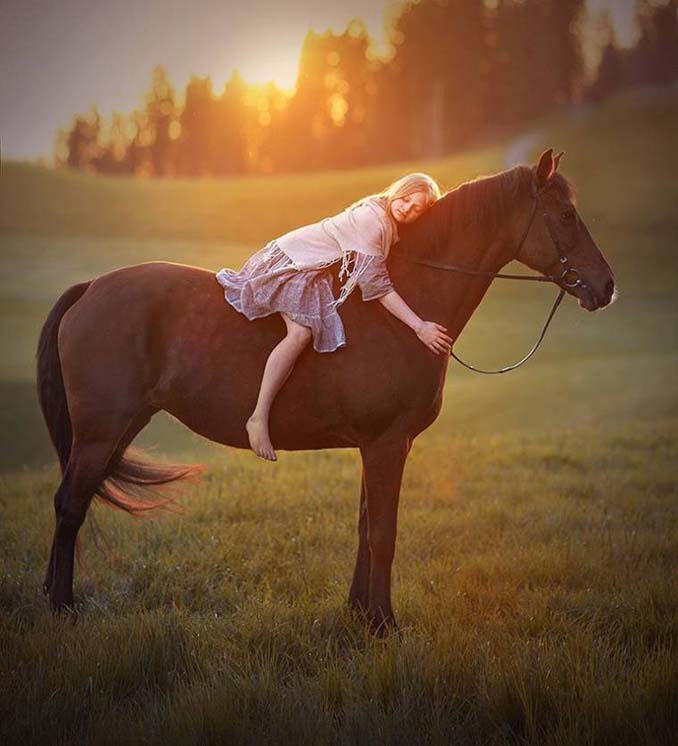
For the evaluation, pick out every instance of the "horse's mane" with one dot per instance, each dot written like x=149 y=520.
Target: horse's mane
x=484 y=202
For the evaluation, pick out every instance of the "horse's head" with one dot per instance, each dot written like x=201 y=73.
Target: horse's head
x=558 y=242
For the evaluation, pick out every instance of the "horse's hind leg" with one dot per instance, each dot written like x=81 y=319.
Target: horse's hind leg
x=94 y=447
x=83 y=474
x=134 y=428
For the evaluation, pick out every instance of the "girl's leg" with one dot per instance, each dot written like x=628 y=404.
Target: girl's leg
x=277 y=370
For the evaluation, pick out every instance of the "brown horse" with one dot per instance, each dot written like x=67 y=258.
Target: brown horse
x=159 y=335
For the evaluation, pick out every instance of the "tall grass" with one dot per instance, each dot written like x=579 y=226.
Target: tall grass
x=535 y=572
x=532 y=580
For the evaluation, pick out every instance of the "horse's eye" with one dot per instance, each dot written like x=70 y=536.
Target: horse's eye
x=567 y=216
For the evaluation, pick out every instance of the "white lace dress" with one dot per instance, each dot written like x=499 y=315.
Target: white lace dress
x=269 y=283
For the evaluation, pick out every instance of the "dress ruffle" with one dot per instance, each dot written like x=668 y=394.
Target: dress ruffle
x=269 y=282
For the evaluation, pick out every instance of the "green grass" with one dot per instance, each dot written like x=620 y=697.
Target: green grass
x=534 y=579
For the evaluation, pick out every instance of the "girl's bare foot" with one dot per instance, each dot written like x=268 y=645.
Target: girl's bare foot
x=260 y=441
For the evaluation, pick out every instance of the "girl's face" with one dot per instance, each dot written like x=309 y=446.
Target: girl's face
x=408 y=208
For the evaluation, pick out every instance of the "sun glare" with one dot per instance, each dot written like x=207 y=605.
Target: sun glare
x=279 y=63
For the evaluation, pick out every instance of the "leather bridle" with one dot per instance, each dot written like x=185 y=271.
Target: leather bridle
x=568 y=278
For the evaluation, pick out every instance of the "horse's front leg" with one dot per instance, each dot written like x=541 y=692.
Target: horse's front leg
x=383 y=464
x=359 y=595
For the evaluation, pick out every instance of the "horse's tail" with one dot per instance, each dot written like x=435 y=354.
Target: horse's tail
x=132 y=481
x=51 y=391
x=129 y=478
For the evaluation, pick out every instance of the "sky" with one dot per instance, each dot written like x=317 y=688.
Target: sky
x=61 y=58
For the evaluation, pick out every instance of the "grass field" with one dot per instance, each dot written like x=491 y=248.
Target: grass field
x=535 y=573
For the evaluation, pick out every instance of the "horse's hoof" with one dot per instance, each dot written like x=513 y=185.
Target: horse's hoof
x=358 y=607
x=383 y=626
x=383 y=629
x=64 y=610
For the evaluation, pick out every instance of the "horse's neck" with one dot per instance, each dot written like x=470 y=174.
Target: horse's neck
x=474 y=288
x=448 y=297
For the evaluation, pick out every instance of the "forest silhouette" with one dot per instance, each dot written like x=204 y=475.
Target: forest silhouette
x=460 y=71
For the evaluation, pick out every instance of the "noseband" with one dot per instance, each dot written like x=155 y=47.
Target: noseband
x=567 y=279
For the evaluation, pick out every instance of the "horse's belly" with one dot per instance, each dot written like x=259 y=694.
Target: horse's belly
x=227 y=427
x=306 y=414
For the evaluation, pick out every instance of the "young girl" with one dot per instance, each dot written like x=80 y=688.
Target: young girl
x=290 y=276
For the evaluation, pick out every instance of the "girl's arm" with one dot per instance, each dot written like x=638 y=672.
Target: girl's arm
x=430 y=333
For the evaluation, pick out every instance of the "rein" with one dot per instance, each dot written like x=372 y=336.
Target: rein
x=564 y=280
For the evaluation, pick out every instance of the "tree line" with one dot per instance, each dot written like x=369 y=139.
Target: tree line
x=460 y=70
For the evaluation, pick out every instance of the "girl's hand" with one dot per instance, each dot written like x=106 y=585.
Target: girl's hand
x=433 y=336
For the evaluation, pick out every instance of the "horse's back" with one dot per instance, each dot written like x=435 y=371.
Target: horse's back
x=156 y=276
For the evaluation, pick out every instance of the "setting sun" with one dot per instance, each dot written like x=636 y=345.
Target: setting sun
x=277 y=62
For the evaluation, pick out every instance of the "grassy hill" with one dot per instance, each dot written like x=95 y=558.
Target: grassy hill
x=60 y=228
x=535 y=569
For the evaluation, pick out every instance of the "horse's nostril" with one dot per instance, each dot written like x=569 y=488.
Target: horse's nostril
x=609 y=288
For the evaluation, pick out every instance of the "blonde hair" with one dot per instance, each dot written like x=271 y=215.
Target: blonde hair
x=408 y=184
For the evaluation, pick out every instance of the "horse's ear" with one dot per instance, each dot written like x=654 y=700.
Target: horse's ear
x=545 y=167
x=556 y=160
